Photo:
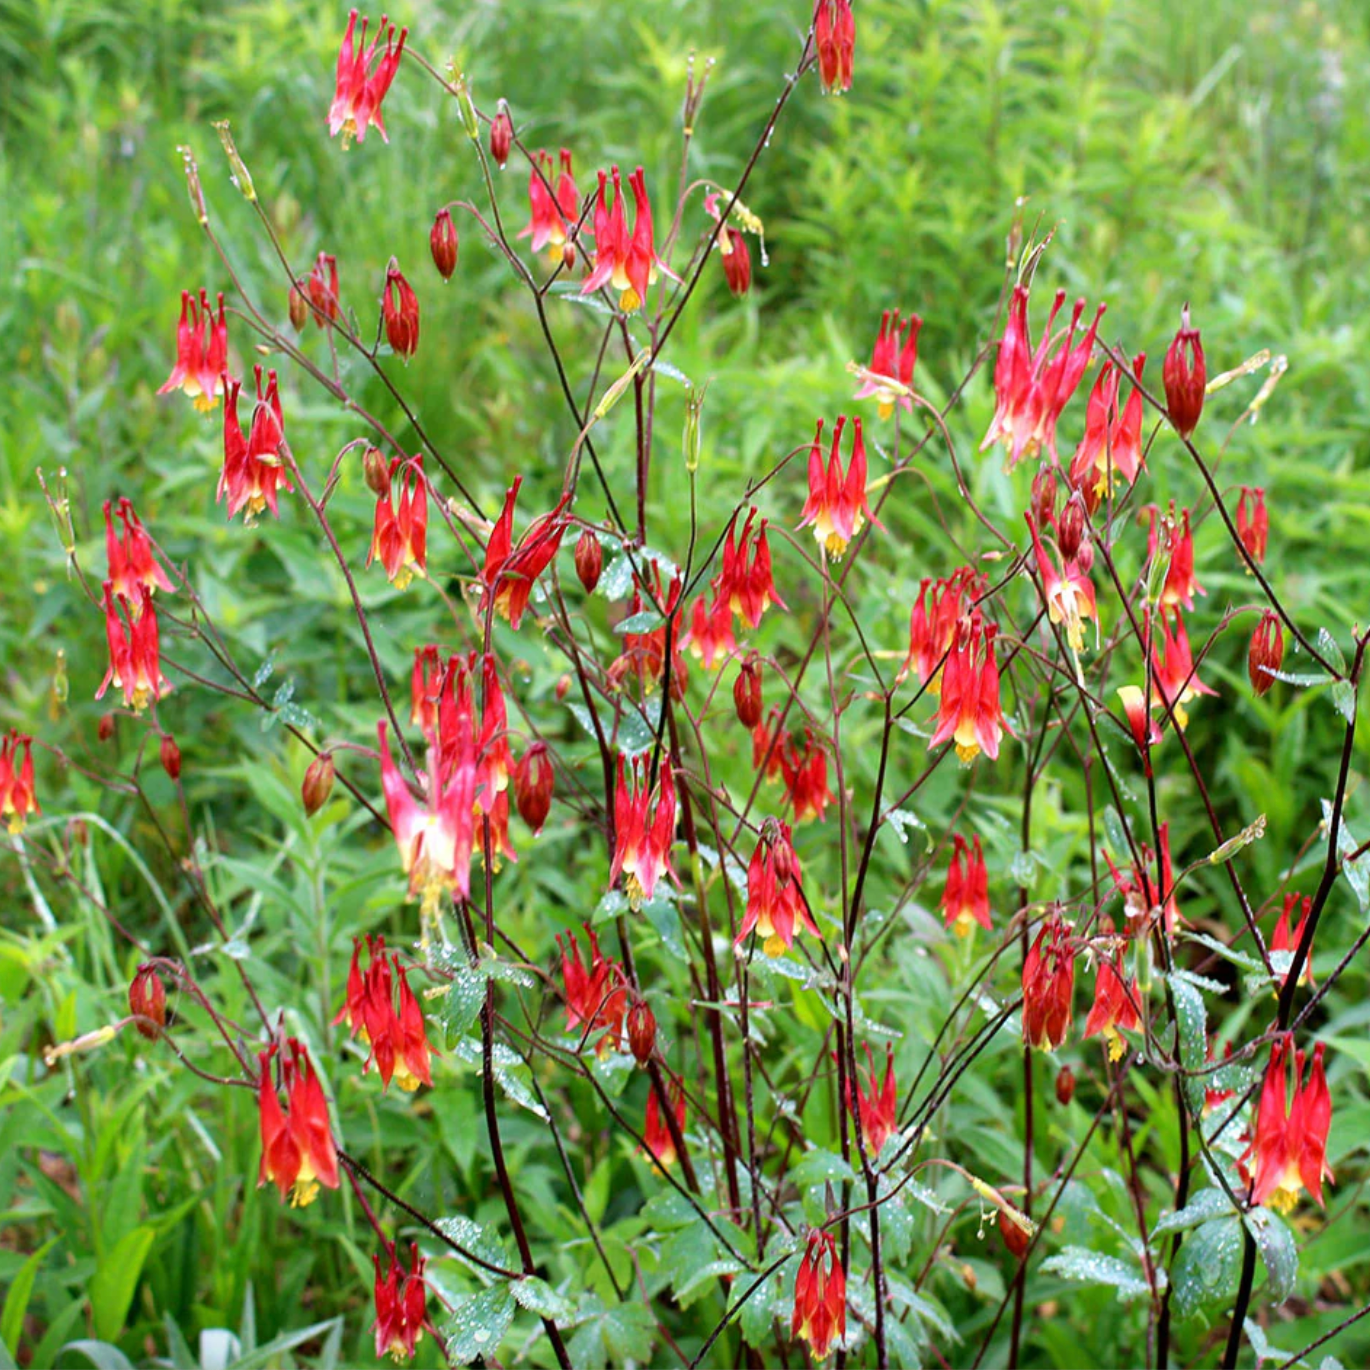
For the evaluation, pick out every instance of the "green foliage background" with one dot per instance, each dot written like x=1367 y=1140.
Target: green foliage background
x=1214 y=153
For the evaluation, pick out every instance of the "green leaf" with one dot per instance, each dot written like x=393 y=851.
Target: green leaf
x=1206 y=1204
x=818 y=1165
x=479 y=1241
x=537 y=1296
x=100 y=1354
x=1191 y=1017
x=111 y=1289
x=271 y=1353
x=643 y=622
x=1278 y=1250
x=17 y=1300
x=1081 y=1264
x=1343 y=697
x=1356 y=872
x=1208 y=1265
x=478 y=1326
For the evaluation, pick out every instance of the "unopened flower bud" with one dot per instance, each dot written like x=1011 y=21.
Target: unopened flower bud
x=1084 y=558
x=400 y=308
x=737 y=262
x=147 y=999
x=747 y=693
x=1044 y=497
x=443 y=242
x=318 y=783
x=501 y=136
x=589 y=560
x=1185 y=376
x=568 y=255
x=563 y=688
x=299 y=308
x=105 y=728
x=641 y=1032
x=533 y=783
x=171 y=756
x=1070 y=529
x=1065 y=1086
x=1266 y=653
x=1014 y=1237
x=783 y=856
x=376 y=470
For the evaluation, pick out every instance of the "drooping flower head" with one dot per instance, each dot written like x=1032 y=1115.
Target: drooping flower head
x=1067 y=592
x=820 y=1296
x=1111 y=448
x=252 y=469
x=836 y=507
x=201 y=352
x=298 y=1154
x=534 y=778
x=1185 y=376
x=1048 y=985
x=509 y=572
x=656 y=1131
x=1173 y=673
x=966 y=897
x=135 y=660
x=626 y=261
x=834 y=35
x=710 y=634
x=1141 y=897
x=933 y=620
x=131 y=559
x=892 y=360
x=397 y=1037
x=644 y=828
x=17 y=797
x=644 y=653
x=323 y=289
x=596 y=993
x=400 y=312
x=805 y=773
x=877 y=1102
x=1253 y=523
x=399 y=538
x=552 y=210
x=776 y=906
x=1290 y=1145
x=1265 y=656
x=1286 y=939
x=363 y=78
x=1177 y=540
x=746 y=582
x=1114 y=1010
x=401 y=1306
x=969 y=713
x=1146 y=732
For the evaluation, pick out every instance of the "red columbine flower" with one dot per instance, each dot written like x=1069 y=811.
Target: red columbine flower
x=1115 y=1006
x=1067 y=593
x=363 y=79
x=732 y=248
x=298 y=1154
x=1141 y=898
x=501 y=135
x=147 y=999
x=1030 y=388
x=894 y=361
x=401 y=1306
x=1172 y=668
x=1048 y=984
x=1180 y=583
x=17 y=798
x=135 y=664
x=644 y=654
x=1266 y=653
x=1253 y=524
x=932 y=623
x=399 y=539
x=656 y=1132
x=131 y=559
x=1290 y=1148
x=252 y=465
x=509 y=572
x=643 y=831
x=775 y=898
x=442 y=243
x=747 y=693
x=630 y=264
x=834 y=35
x=836 y=506
x=596 y=994
x=805 y=774
x=710 y=634
x=969 y=713
x=770 y=742
x=400 y=308
x=746 y=583
x=1112 y=444
x=1282 y=939
x=1146 y=732
x=398 y=1039
x=877 y=1103
x=551 y=214
x=966 y=897
x=820 y=1288
x=201 y=352
x=1185 y=375
x=323 y=288
x=533 y=782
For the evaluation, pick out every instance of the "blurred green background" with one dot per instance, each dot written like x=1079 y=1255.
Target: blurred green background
x=1215 y=153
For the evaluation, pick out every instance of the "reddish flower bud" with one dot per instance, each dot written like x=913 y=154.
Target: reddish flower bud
x=1070 y=529
x=1253 y=523
x=147 y=999
x=737 y=260
x=1266 y=654
x=318 y=783
x=299 y=308
x=568 y=255
x=1065 y=1086
x=1014 y=1237
x=589 y=560
x=1044 y=497
x=400 y=307
x=533 y=781
x=323 y=288
x=171 y=756
x=1185 y=377
x=376 y=471
x=641 y=1031
x=105 y=728
x=501 y=136
x=563 y=688
x=747 y=693
x=443 y=242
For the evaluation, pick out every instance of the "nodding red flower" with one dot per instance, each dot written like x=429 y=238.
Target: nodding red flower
x=1185 y=376
x=1067 y=593
x=747 y=693
x=201 y=352
x=1172 y=668
x=1146 y=732
x=400 y=309
x=1115 y=1006
x=135 y=661
x=775 y=896
x=1253 y=523
x=1048 y=984
x=399 y=538
x=252 y=465
x=17 y=797
x=770 y=742
x=533 y=782
x=1266 y=654
x=298 y=1154
x=820 y=1290
x=551 y=214
x=398 y=1038
x=877 y=1104
x=1290 y=1147
x=323 y=288
x=746 y=583
x=131 y=559
x=596 y=994
x=363 y=78
x=805 y=774
x=1287 y=941
x=1141 y=898
x=641 y=1032
x=894 y=361
x=425 y=683
x=589 y=560
x=710 y=634
x=147 y=999
x=628 y=263
x=1016 y=1239
x=834 y=35
x=656 y=1131
x=442 y=243
x=170 y=756
x=509 y=572
x=501 y=135
x=1112 y=444
x=1180 y=584
x=969 y=713
x=644 y=828
x=401 y=1306
x=932 y=623
x=644 y=654
x=1065 y=1086
x=966 y=897
x=836 y=506
x=732 y=247
x=1031 y=389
